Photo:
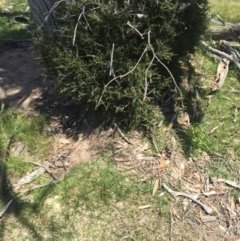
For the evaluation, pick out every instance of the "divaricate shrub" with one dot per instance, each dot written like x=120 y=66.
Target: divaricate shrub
x=115 y=57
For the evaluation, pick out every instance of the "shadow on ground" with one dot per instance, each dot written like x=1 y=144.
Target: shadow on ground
x=22 y=85
x=16 y=207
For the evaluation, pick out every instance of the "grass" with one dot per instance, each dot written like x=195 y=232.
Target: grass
x=219 y=128
x=95 y=201
x=9 y=27
x=20 y=132
x=229 y=11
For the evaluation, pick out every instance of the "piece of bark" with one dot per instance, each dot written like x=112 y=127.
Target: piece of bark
x=230 y=32
x=221 y=75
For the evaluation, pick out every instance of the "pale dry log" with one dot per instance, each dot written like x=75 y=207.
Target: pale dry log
x=230 y=32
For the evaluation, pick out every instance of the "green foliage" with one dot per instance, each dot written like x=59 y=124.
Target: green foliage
x=18 y=129
x=82 y=61
x=9 y=27
x=99 y=184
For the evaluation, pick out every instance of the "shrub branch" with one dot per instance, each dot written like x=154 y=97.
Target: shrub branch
x=79 y=18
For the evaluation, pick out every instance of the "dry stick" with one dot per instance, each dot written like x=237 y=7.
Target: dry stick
x=146 y=83
x=155 y=56
x=5 y=208
x=29 y=178
x=122 y=135
x=154 y=143
x=87 y=21
x=128 y=23
x=189 y=210
x=219 y=17
x=235 y=114
x=46 y=167
x=228 y=182
x=228 y=47
x=75 y=30
x=39 y=186
x=206 y=208
x=121 y=76
x=54 y=6
x=221 y=53
x=111 y=63
x=174 y=81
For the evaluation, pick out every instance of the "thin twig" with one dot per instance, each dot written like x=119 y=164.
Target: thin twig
x=122 y=135
x=228 y=182
x=75 y=29
x=154 y=143
x=221 y=54
x=174 y=81
x=46 y=167
x=29 y=178
x=53 y=7
x=111 y=63
x=154 y=56
x=39 y=186
x=121 y=76
x=129 y=24
x=221 y=20
x=5 y=208
x=87 y=21
x=206 y=208
x=146 y=82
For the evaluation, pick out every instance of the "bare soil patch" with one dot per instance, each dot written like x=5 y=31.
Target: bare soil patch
x=24 y=86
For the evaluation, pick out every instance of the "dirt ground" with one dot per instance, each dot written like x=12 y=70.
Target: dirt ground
x=23 y=85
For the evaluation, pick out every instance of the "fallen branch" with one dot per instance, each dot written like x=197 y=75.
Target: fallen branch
x=210 y=193
x=224 y=55
x=5 y=208
x=219 y=17
x=228 y=182
x=122 y=135
x=207 y=218
x=39 y=186
x=229 y=32
x=29 y=178
x=46 y=167
x=227 y=47
x=129 y=24
x=206 y=208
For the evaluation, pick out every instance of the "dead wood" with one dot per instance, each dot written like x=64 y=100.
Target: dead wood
x=206 y=208
x=232 y=57
x=230 y=32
